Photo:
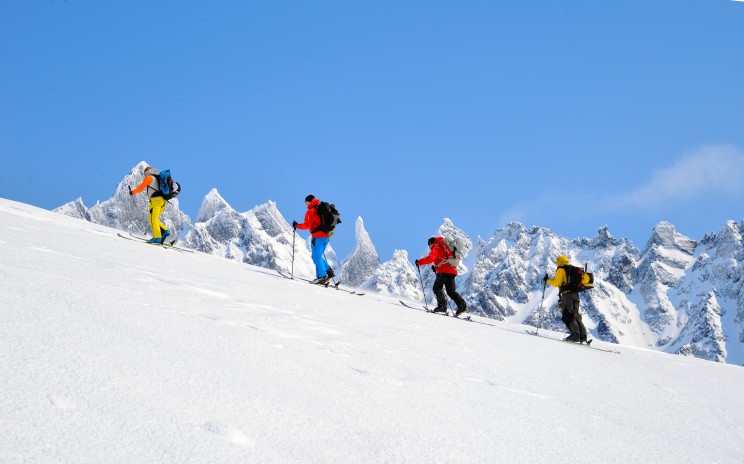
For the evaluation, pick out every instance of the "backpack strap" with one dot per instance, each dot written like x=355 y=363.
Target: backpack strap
x=158 y=192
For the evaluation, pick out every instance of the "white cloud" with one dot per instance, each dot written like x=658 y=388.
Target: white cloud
x=711 y=169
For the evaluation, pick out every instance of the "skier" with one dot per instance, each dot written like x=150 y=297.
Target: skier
x=446 y=273
x=568 y=302
x=319 y=242
x=151 y=185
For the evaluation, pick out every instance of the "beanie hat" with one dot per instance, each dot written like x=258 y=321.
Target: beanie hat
x=561 y=261
x=309 y=198
x=431 y=240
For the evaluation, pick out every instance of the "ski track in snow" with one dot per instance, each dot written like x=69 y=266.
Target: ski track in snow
x=117 y=352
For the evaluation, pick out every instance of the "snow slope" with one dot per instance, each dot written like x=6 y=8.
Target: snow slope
x=119 y=352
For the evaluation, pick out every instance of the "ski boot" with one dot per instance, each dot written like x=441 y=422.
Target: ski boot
x=321 y=281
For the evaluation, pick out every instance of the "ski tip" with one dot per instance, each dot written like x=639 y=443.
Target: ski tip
x=589 y=342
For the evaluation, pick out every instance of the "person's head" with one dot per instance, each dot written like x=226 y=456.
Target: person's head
x=431 y=241
x=309 y=199
x=149 y=170
x=561 y=261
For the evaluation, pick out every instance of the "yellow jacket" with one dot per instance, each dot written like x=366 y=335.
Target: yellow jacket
x=559 y=279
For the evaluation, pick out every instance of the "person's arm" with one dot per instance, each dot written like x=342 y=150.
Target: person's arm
x=308 y=220
x=433 y=257
x=145 y=182
x=559 y=279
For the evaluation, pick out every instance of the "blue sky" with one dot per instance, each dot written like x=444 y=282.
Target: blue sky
x=568 y=115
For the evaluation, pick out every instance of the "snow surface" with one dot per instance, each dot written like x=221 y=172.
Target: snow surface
x=113 y=351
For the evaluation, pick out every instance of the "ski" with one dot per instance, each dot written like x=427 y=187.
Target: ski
x=171 y=245
x=134 y=238
x=334 y=285
x=466 y=318
x=588 y=343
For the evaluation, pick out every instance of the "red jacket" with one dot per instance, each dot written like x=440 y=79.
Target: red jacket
x=438 y=256
x=312 y=220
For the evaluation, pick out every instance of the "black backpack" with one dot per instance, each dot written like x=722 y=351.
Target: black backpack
x=329 y=217
x=577 y=280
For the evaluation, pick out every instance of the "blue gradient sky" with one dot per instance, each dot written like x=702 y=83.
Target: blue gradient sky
x=569 y=115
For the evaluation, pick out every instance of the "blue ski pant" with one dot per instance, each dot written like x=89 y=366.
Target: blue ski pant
x=318 y=248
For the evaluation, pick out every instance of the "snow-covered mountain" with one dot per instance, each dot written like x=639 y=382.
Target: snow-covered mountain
x=678 y=295
x=261 y=237
x=363 y=261
x=396 y=277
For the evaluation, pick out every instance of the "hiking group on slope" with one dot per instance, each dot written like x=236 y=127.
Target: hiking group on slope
x=321 y=219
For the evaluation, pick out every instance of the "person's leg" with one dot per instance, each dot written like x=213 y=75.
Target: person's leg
x=566 y=316
x=318 y=248
x=439 y=292
x=451 y=287
x=572 y=306
x=578 y=320
x=157 y=205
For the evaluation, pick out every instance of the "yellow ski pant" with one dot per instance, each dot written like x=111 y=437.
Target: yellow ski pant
x=157 y=206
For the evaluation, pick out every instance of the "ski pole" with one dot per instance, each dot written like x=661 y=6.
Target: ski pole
x=294 y=234
x=421 y=281
x=545 y=285
x=449 y=306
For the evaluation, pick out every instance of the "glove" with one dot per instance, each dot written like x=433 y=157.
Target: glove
x=433 y=269
x=545 y=279
x=415 y=262
x=294 y=224
x=130 y=190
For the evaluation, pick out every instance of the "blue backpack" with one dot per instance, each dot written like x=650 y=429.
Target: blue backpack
x=168 y=188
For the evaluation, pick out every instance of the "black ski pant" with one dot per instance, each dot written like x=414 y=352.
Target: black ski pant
x=447 y=281
x=570 y=315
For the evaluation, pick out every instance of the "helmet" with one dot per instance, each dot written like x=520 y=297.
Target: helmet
x=561 y=261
